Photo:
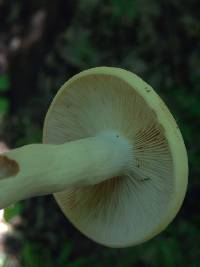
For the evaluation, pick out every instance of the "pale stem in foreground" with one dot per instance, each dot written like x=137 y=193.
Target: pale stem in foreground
x=41 y=169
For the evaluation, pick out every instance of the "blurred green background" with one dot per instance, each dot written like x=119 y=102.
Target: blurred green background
x=42 y=44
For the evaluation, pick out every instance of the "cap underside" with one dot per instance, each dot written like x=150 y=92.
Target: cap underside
x=124 y=210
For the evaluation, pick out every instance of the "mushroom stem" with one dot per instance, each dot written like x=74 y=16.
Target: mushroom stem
x=40 y=169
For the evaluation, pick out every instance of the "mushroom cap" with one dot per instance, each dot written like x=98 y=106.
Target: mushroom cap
x=126 y=210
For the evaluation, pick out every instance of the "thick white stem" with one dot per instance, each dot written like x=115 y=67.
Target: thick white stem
x=40 y=169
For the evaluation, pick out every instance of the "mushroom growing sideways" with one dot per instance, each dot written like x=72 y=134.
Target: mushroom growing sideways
x=112 y=155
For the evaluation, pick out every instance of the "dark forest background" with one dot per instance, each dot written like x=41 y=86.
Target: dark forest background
x=42 y=44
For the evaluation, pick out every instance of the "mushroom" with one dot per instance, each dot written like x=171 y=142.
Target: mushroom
x=112 y=156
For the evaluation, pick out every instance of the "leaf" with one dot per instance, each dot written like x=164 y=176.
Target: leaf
x=4 y=83
x=35 y=255
x=77 y=263
x=4 y=105
x=127 y=9
x=12 y=211
x=28 y=255
x=65 y=253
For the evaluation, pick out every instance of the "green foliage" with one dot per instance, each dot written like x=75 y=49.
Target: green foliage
x=4 y=105
x=4 y=87
x=167 y=250
x=124 y=9
x=4 y=83
x=36 y=255
x=12 y=211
